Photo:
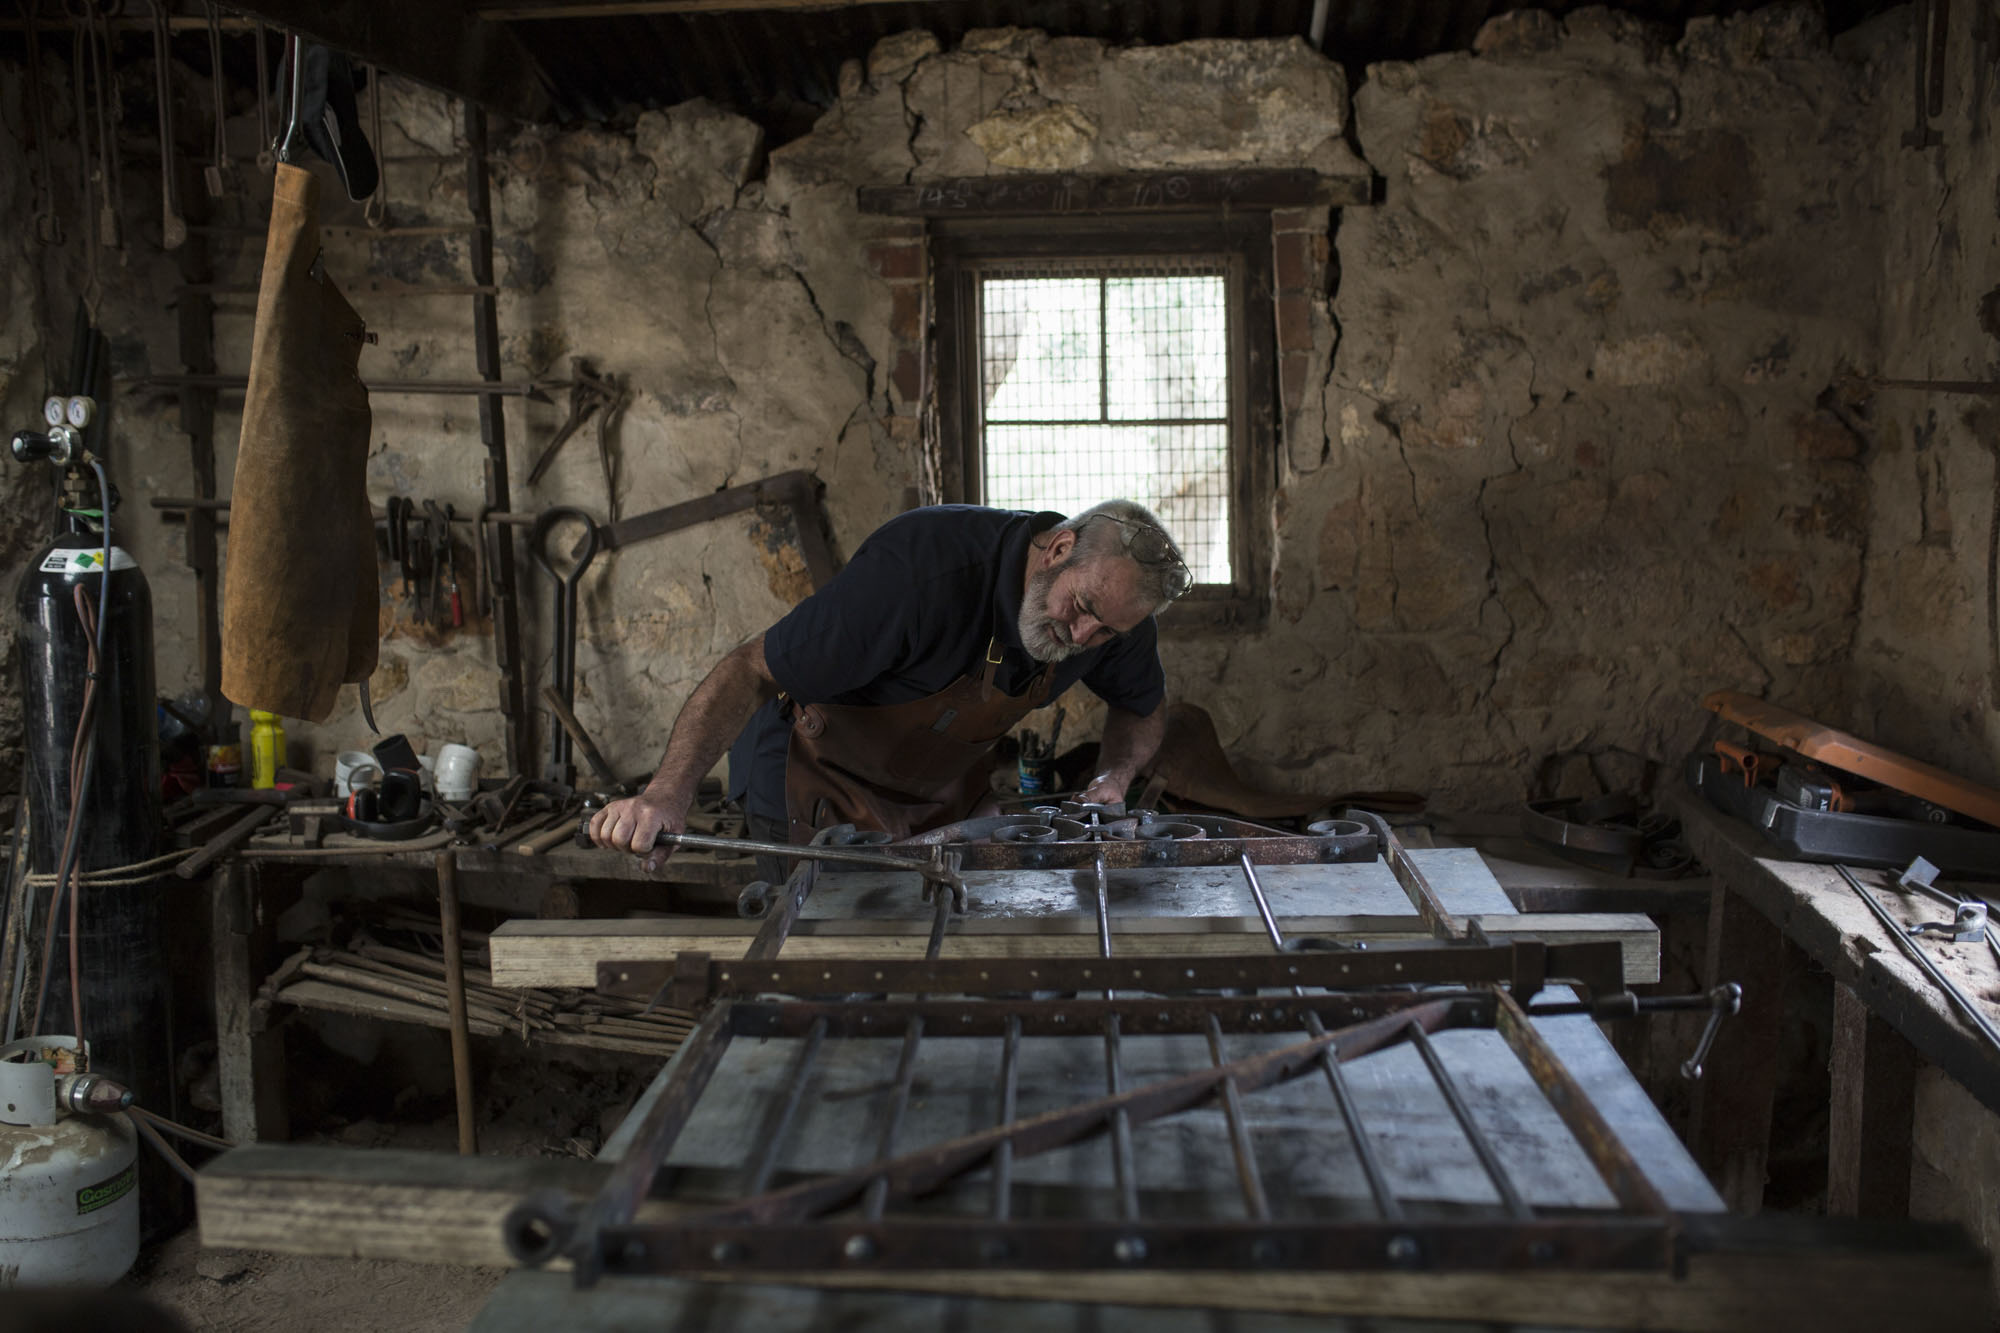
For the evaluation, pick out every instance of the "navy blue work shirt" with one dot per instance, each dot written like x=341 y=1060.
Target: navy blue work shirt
x=912 y=612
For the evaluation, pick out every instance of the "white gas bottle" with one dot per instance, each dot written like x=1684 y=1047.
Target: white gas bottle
x=69 y=1181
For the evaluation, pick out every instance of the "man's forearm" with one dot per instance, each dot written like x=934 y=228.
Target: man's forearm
x=1130 y=742
x=710 y=720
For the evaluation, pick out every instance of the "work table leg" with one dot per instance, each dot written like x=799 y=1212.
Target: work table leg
x=250 y=1055
x=1873 y=1113
x=1731 y=1131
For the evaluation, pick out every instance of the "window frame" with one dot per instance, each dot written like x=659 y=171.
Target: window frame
x=962 y=249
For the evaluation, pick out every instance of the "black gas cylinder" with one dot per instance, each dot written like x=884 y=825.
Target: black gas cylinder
x=121 y=945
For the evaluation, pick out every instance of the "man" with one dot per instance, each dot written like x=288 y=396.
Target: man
x=878 y=700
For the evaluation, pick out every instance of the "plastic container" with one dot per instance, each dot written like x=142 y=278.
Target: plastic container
x=267 y=748
x=456 y=773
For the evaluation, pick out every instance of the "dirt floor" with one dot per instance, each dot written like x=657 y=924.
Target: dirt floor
x=393 y=1096
x=234 y=1291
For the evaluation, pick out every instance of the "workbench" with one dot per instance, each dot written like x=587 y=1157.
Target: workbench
x=1773 y=924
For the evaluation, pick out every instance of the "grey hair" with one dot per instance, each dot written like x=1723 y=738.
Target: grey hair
x=1096 y=540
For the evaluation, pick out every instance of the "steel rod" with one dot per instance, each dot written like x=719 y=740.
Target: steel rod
x=1329 y=1060
x=1239 y=1132
x=877 y=1196
x=1923 y=959
x=1123 y=1167
x=795 y=1089
x=1003 y=1152
x=454 y=987
x=1510 y=1197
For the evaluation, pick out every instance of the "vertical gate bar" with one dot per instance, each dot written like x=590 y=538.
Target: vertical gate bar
x=195 y=326
x=1627 y=1183
x=1239 y=1133
x=1003 y=1154
x=795 y=1088
x=877 y=1196
x=1509 y=1195
x=633 y=1176
x=493 y=434
x=1329 y=1061
x=1123 y=1167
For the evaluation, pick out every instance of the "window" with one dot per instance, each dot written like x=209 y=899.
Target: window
x=1118 y=358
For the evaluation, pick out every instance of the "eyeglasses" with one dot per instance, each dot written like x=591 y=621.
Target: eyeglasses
x=1153 y=549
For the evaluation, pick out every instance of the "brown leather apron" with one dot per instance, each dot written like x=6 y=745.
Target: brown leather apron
x=906 y=767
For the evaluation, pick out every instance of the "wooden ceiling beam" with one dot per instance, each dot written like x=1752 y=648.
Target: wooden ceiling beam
x=531 y=10
x=435 y=44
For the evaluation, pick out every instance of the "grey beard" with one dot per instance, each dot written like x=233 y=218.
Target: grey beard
x=1037 y=626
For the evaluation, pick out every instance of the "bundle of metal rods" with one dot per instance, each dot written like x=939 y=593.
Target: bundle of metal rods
x=366 y=972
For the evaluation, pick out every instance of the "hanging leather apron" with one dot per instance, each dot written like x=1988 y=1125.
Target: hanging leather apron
x=901 y=767
x=299 y=592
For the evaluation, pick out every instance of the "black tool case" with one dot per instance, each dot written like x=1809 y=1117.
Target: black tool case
x=1855 y=839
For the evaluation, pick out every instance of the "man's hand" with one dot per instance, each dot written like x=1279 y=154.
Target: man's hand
x=1105 y=789
x=635 y=823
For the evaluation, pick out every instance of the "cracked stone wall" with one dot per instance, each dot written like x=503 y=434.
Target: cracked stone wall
x=1926 y=668
x=1555 y=464
x=1571 y=474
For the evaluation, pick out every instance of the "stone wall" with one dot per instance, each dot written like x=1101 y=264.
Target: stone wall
x=1552 y=461
x=1926 y=667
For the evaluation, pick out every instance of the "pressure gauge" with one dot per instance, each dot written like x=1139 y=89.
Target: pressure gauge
x=55 y=411
x=81 y=410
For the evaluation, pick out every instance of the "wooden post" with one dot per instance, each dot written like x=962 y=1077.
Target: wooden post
x=1873 y=1113
x=1731 y=1131
x=454 y=989
x=250 y=1064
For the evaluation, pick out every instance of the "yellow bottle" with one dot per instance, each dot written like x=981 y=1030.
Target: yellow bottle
x=267 y=748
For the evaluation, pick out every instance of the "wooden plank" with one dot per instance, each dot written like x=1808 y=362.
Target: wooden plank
x=1869 y=1132
x=1127 y=192
x=566 y=953
x=1742 y=1273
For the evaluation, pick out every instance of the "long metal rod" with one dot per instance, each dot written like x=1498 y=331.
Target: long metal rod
x=1923 y=959
x=1481 y=1147
x=454 y=988
x=1336 y=1082
x=1239 y=1133
x=1003 y=1154
x=795 y=1089
x=930 y=869
x=1123 y=1166
x=877 y=1196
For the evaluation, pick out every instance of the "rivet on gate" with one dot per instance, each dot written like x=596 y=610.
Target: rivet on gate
x=858 y=1248
x=1403 y=1250
x=1266 y=1251
x=1129 y=1250
x=726 y=1252
x=634 y=1252
x=1542 y=1252
x=993 y=1250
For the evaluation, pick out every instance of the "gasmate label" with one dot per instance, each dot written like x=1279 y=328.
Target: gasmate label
x=90 y=560
x=93 y=1197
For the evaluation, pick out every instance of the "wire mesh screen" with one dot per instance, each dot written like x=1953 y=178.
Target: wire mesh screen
x=1111 y=382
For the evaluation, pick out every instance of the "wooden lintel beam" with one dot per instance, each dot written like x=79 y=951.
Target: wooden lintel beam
x=435 y=44
x=1123 y=192
x=607 y=9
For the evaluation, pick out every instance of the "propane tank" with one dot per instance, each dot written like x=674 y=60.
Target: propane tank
x=69 y=1185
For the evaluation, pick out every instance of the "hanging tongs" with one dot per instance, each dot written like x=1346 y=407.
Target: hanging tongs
x=287 y=146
